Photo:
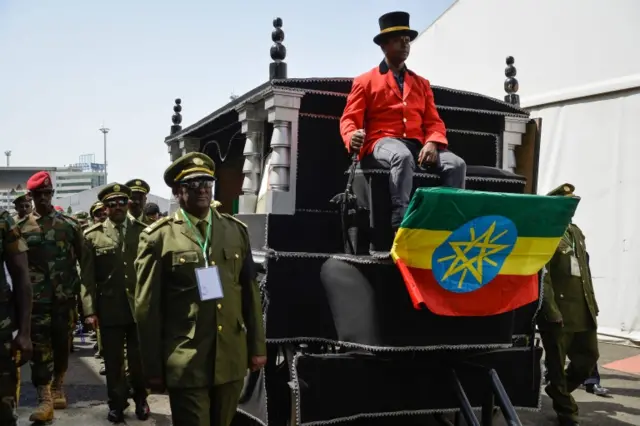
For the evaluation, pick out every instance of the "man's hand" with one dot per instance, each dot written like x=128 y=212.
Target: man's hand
x=257 y=362
x=428 y=154
x=357 y=139
x=23 y=344
x=92 y=320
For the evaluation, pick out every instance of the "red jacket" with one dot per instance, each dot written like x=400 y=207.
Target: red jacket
x=376 y=105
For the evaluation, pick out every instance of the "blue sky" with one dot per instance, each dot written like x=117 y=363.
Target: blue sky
x=70 y=64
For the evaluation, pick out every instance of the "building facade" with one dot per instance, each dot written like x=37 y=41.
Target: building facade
x=13 y=181
x=79 y=177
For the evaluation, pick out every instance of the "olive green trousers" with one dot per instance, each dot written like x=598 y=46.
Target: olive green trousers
x=215 y=406
x=582 y=350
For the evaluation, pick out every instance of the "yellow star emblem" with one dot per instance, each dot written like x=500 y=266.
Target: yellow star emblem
x=461 y=261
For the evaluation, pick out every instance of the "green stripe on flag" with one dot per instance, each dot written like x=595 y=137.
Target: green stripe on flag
x=446 y=209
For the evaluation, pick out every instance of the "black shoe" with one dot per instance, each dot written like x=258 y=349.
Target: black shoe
x=567 y=422
x=95 y=346
x=142 y=410
x=103 y=371
x=116 y=416
x=97 y=355
x=597 y=390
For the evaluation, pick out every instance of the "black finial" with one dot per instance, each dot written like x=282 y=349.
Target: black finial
x=177 y=117
x=277 y=68
x=511 y=85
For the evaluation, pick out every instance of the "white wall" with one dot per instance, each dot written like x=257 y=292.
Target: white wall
x=558 y=46
x=593 y=144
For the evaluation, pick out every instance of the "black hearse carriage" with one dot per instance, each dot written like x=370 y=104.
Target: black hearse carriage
x=345 y=344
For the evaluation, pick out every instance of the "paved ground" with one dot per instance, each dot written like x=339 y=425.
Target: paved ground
x=86 y=393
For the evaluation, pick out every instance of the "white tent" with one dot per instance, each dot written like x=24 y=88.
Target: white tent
x=579 y=70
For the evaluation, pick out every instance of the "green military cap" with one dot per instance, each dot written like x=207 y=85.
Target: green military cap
x=138 y=185
x=114 y=190
x=20 y=197
x=189 y=166
x=81 y=215
x=564 y=190
x=96 y=206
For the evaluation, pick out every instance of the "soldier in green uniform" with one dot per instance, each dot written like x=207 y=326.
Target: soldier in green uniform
x=97 y=212
x=55 y=245
x=197 y=343
x=108 y=286
x=567 y=323
x=139 y=190
x=83 y=220
x=98 y=215
x=15 y=313
x=23 y=205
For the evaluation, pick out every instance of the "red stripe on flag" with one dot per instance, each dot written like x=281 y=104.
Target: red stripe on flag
x=503 y=294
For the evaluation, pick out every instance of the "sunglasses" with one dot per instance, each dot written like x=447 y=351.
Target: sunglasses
x=99 y=213
x=120 y=202
x=43 y=192
x=197 y=184
x=23 y=205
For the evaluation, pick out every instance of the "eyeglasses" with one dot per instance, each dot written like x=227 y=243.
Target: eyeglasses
x=120 y=202
x=197 y=184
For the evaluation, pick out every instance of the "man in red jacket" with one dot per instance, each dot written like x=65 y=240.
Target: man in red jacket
x=391 y=117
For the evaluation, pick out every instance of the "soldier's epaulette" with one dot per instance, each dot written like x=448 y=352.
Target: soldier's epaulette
x=92 y=228
x=138 y=222
x=228 y=216
x=157 y=224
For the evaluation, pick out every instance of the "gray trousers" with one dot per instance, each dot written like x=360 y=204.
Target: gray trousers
x=400 y=156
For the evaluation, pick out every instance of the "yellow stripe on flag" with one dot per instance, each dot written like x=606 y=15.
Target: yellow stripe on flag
x=416 y=246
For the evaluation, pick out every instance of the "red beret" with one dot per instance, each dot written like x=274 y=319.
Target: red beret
x=60 y=209
x=40 y=180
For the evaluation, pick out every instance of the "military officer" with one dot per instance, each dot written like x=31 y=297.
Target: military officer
x=22 y=204
x=108 y=286
x=139 y=190
x=98 y=215
x=55 y=245
x=152 y=212
x=15 y=313
x=195 y=270
x=97 y=212
x=567 y=323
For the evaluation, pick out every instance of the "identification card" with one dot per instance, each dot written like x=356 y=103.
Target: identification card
x=575 y=267
x=209 y=283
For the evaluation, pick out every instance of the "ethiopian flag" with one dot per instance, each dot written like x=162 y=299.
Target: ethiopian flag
x=474 y=253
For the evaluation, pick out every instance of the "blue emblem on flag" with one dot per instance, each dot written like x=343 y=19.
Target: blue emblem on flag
x=473 y=254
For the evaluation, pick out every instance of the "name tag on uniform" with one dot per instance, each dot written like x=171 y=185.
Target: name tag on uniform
x=209 y=283
x=575 y=267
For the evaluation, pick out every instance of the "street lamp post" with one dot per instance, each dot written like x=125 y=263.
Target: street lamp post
x=104 y=131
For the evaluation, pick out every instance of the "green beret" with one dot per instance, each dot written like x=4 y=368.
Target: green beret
x=189 y=166
x=21 y=197
x=96 y=206
x=138 y=185
x=114 y=190
x=564 y=190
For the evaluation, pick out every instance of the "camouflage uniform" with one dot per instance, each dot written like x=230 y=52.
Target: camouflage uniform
x=10 y=244
x=55 y=245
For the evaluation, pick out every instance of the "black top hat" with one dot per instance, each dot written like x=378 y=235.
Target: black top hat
x=394 y=23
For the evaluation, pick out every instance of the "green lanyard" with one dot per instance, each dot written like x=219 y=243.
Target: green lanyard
x=203 y=245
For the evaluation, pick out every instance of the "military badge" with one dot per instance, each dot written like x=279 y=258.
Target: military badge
x=198 y=161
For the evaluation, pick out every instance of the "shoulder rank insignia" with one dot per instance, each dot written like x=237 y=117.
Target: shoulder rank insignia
x=157 y=224
x=228 y=216
x=92 y=228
